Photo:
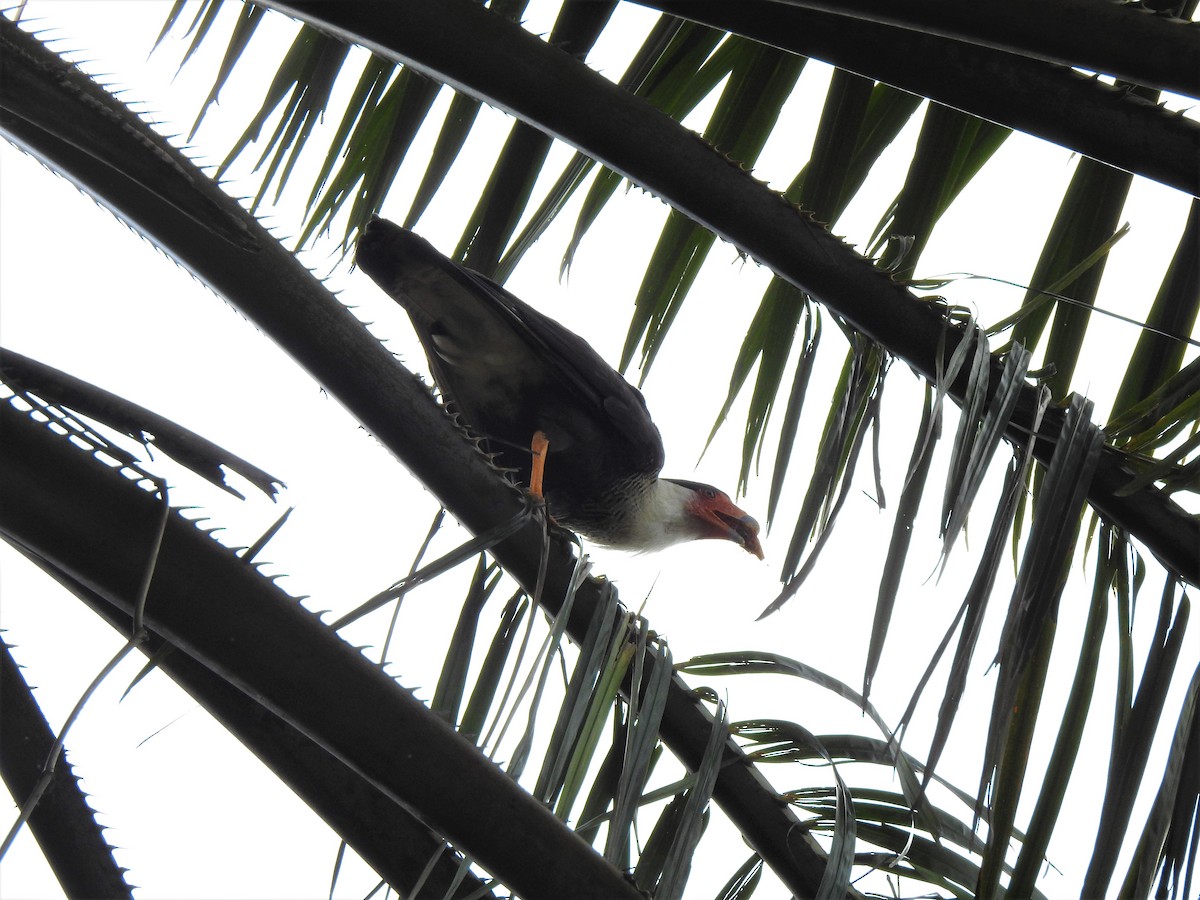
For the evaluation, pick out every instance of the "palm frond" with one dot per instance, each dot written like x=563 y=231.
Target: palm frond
x=928 y=431
x=679 y=65
x=1109 y=557
x=269 y=276
x=1169 y=839
x=1156 y=356
x=1017 y=90
x=1136 y=725
x=53 y=389
x=63 y=821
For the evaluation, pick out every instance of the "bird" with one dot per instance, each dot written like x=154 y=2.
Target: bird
x=546 y=404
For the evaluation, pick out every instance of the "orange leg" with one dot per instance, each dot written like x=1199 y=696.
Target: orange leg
x=539 y=446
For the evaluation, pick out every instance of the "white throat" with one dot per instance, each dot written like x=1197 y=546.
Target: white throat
x=662 y=518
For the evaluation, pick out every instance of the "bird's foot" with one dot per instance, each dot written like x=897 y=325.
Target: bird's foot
x=537 y=472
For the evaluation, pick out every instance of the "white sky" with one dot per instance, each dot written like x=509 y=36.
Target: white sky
x=193 y=814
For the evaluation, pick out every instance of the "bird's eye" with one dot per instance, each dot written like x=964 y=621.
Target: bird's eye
x=710 y=494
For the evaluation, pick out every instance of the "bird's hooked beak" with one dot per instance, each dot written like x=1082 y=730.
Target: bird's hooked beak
x=726 y=521
x=743 y=529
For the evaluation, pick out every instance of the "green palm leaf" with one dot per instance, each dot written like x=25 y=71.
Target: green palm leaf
x=977 y=76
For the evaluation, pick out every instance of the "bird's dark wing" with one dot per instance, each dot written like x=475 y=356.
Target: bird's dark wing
x=493 y=355
x=590 y=378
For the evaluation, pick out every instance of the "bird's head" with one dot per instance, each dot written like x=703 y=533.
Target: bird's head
x=711 y=514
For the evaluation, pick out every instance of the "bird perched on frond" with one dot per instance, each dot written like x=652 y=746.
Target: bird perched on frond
x=547 y=405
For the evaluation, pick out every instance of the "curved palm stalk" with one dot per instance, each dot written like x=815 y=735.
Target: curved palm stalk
x=1058 y=105
x=657 y=307
x=1040 y=99
x=91 y=524
x=1101 y=37
x=63 y=822
x=282 y=298
x=393 y=842
x=1019 y=678
x=206 y=243
x=28 y=376
x=1017 y=88
x=468 y=48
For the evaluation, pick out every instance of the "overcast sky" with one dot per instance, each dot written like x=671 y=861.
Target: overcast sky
x=194 y=814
